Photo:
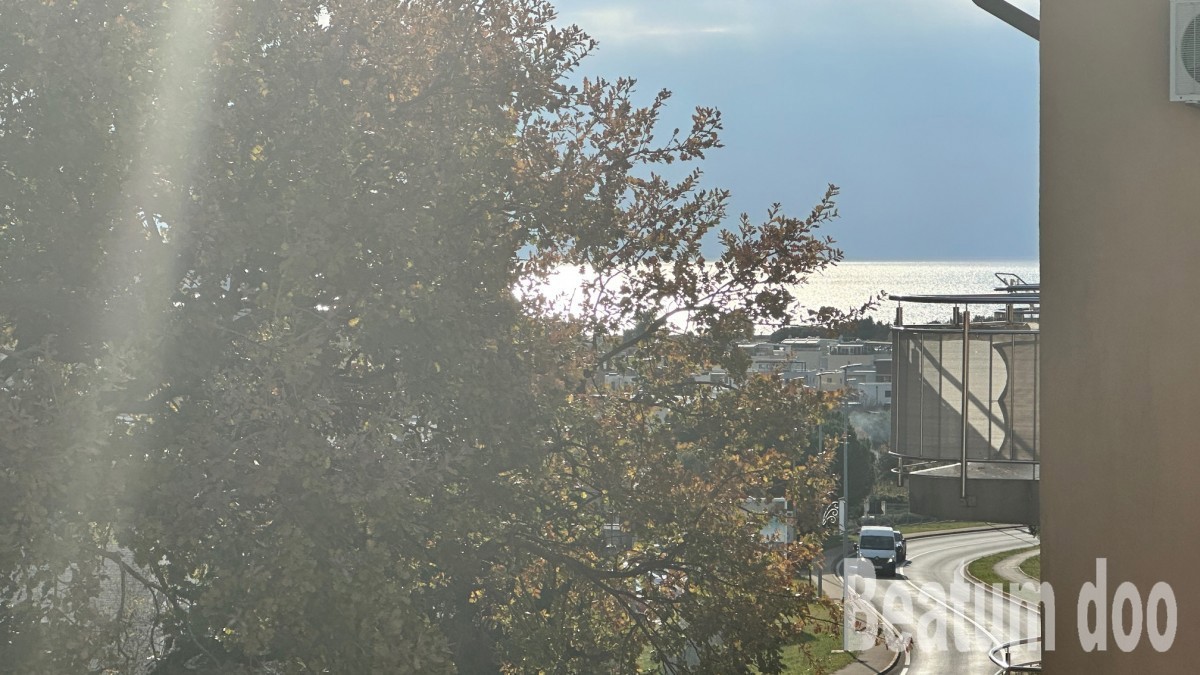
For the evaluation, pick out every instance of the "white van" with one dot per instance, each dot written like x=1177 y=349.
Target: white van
x=878 y=544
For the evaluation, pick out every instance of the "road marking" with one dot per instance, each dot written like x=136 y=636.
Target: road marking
x=947 y=606
x=961 y=572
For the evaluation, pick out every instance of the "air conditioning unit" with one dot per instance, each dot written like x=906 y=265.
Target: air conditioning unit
x=1185 y=51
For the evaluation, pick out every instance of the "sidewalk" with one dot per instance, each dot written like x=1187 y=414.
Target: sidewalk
x=874 y=661
x=878 y=659
x=1009 y=569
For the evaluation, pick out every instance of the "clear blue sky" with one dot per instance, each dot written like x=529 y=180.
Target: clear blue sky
x=924 y=112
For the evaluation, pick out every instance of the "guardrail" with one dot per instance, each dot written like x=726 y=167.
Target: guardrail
x=1007 y=665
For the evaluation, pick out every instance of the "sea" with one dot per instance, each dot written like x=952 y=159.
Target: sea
x=851 y=284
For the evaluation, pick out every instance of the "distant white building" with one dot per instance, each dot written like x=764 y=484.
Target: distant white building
x=874 y=394
x=780 y=527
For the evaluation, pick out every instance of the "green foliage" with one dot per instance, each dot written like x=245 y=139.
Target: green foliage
x=280 y=389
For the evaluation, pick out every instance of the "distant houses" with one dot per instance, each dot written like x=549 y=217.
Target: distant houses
x=825 y=364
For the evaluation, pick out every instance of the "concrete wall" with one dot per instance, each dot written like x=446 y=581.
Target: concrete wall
x=1120 y=272
x=993 y=501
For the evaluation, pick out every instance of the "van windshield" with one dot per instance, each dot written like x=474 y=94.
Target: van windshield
x=877 y=543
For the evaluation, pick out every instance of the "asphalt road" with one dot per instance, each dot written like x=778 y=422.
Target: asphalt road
x=952 y=623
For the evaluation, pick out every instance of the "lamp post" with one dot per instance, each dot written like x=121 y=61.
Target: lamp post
x=846 y=464
x=845 y=510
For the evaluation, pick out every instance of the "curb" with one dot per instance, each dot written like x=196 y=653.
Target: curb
x=891 y=666
x=895 y=654
x=1028 y=606
x=895 y=659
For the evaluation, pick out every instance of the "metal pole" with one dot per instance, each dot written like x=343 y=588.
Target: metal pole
x=966 y=396
x=897 y=409
x=845 y=496
x=845 y=515
x=846 y=471
x=821 y=402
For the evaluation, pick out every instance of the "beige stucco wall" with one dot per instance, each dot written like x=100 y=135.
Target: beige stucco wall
x=1120 y=273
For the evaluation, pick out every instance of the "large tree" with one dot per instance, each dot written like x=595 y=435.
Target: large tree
x=282 y=385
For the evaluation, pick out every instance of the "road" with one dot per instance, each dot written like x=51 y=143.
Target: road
x=952 y=623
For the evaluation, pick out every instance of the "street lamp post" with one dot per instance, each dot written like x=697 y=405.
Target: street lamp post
x=845 y=503
x=846 y=464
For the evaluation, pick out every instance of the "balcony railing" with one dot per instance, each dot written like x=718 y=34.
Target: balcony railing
x=981 y=400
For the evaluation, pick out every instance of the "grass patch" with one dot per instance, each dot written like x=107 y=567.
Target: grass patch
x=795 y=660
x=1032 y=567
x=984 y=569
x=820 y=645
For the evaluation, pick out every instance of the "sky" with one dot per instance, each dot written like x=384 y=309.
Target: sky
x=923 y=112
